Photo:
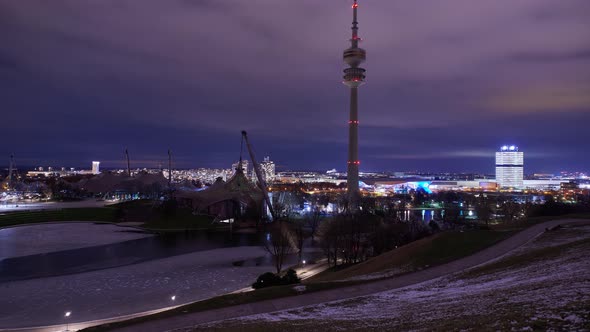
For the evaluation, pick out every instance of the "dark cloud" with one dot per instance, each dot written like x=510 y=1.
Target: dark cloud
x=447 y=82
x=583 y=54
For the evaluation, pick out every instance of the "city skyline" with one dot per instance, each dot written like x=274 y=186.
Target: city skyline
x=446 y=90
x=281 y=168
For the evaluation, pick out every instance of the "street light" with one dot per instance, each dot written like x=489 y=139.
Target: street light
x=67 y=315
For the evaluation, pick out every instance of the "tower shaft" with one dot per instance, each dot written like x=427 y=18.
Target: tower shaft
x=354 y=76
x=352 y=183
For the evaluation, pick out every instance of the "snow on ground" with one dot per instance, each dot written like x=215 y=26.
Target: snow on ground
x=552 y=292
x=128 y=289
x=44 y=238
x=562 y=235
x=383 y=274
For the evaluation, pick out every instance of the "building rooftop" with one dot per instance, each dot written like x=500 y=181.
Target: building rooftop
x=509 y=148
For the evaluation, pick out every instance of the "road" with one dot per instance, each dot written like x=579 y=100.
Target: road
x=492 y=253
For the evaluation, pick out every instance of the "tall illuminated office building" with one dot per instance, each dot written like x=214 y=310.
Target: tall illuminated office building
x=95 y=167
x=354 y=76
x=510 y=167
x=268 y=169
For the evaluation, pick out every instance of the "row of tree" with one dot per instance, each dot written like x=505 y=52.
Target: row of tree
x=350 y=238
x=343 y=238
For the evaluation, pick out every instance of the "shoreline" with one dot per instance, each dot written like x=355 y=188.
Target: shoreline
x=130 y=289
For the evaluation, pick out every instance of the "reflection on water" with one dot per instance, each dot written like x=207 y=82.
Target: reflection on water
x=118 y=254
x=420 y=214
x=427 y=215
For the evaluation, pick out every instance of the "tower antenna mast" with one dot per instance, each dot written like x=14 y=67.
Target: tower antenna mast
x=354 y=76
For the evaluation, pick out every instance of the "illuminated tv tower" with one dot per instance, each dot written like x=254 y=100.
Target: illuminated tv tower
x=354 y=76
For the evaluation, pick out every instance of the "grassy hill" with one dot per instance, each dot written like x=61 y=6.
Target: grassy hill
x=433 y=250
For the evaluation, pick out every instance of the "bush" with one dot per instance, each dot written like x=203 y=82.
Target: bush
x=267 y=279
x=270 y=279
x=290 y=278
x=169 y=207
x=434 y=226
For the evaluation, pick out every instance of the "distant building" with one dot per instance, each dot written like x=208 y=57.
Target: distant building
x=95 y=167
x=268 y=169
x=235 y=165
x=571 y=185
x=510 y=167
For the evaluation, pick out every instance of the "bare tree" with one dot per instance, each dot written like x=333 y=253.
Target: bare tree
x=280 y=244
x=483 y=210
x=313 y=220
x=299 y=232
x=330 y=234
x=510 y=210
x=283 y=211
x=344 y=239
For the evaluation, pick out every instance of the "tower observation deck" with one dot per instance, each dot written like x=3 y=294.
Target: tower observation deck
x=354 y=76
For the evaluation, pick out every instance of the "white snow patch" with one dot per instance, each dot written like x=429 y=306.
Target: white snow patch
x=544 y=287
x=128 y=289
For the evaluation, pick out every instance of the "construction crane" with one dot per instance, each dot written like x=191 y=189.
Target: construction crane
x=261 y=182
x=10 y=170
x=169 y=169
x=128 y=165
x=8 y=183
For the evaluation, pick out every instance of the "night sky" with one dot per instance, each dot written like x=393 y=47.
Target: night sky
x=448 y=82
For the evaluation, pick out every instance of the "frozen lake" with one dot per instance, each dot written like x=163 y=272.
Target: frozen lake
x=100 y=271
x=45 y=250
x=130 y=289
x=46 y=238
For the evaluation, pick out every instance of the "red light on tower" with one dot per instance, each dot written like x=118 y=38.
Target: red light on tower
x=355 y=5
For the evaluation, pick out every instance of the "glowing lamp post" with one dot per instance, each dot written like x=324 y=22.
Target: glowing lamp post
x=67 y=316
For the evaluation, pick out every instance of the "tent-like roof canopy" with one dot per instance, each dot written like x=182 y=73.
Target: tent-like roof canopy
x=238 y=188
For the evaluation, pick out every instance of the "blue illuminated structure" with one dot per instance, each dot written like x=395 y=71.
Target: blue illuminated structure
x=424 y=185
